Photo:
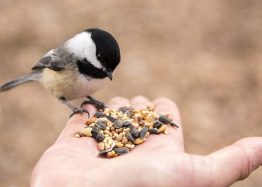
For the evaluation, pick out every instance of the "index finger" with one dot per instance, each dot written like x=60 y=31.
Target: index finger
x=164 y=105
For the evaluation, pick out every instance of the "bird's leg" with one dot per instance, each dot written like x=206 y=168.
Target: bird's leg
x=100 y=106
x=74 y=109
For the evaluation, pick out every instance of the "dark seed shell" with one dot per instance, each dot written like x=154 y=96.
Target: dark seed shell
x=157 y=124
x=164 y=119
x=134 y=132
x=123 y=109
x=99 y=114
x=126 y=110
x=110 y=118
x=99 y=137
x=118 y=124
x=130 y=137
x=122 y=150
x=126 y=124
x=94 y=131
x=101 y=125
x=174 y=124
x=153 y=131
x=143 y=132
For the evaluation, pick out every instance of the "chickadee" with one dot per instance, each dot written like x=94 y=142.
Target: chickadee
x=75 y=69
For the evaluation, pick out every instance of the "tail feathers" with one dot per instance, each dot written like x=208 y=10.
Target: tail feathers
x=20 y=80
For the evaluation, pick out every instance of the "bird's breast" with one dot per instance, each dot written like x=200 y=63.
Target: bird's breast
x=70 y=84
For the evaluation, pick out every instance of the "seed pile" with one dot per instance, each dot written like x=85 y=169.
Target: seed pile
x=119 y=131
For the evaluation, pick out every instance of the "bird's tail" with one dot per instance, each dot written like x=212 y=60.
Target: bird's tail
x=34 y=75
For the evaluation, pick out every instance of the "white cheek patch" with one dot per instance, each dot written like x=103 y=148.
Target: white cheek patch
x=82 y=46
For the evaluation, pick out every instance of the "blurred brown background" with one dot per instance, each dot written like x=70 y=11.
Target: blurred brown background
x=205 y=55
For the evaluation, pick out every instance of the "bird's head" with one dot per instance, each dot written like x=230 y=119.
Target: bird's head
x=97 y=53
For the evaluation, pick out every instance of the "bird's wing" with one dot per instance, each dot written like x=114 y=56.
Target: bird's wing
x=48 y=61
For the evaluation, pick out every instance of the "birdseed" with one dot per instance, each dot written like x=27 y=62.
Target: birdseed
x=117 y=132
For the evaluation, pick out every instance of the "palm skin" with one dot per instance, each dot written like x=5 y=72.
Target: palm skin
x=160 y=161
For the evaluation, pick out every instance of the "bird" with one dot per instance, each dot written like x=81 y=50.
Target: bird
x=76 y=68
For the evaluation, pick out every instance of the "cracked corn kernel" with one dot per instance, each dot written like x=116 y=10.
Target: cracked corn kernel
x=101 y=146
x=86 y=132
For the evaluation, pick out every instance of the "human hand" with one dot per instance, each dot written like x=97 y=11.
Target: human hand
x=160 y=161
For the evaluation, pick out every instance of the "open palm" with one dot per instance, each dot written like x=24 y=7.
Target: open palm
x=160 y=161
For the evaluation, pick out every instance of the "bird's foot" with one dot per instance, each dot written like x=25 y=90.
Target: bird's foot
x=79 y=111
x=100 y=106
x=73 y=108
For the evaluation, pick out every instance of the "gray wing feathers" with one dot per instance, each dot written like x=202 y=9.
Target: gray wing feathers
x=48 y=61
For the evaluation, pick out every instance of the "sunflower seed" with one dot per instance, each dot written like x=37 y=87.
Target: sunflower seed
x=118 y=124
x=127 y=124
x=143 y=132
x=94 y=131
x=153 y=131
x=126 y=110
x=100 y=137
x=120 y=151
x=130 y=137
x=101 y=125
x=99 y=114
x=110 y=118
x=157 y=124
x=174 y=124
x=134 y=132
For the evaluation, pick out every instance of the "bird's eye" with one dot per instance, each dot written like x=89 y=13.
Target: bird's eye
x=98 y=55
x=104 y=69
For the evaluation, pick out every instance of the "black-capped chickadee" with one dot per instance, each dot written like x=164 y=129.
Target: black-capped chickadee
x=77 y=68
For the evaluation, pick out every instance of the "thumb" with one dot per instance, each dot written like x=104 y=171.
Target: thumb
x=76 y=122
x=236 y=161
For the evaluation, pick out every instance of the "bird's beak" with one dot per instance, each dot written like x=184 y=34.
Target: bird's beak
x=109 y=74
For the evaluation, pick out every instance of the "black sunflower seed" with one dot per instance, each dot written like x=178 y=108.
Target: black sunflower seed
x=164 y=119
x=118 y=124
x=134 y=132
x=121 y=150
x=99 y=114
x=157 y=124
x=174 y=124
x=94 y=131
x=110 y=118
x=143 y=132
x=101 y=125
x=153 y=131
x=99 y=137
x=130 y=137
x=127 y=124
x=126 y=110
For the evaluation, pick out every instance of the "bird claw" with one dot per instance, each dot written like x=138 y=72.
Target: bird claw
x=79 y=111
x=100 y=106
